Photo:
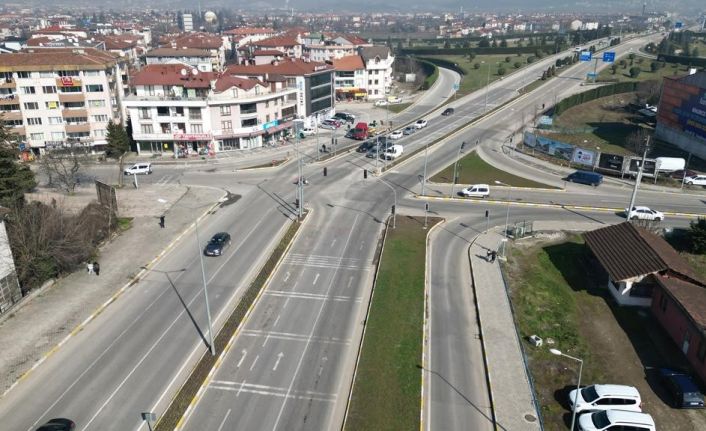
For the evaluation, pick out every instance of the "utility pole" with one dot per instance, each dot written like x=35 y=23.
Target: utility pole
x=639 y=176
x=424 y=179
x=683 y=177
x=453 y=183
x=300 y=182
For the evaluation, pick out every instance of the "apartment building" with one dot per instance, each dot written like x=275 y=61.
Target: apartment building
x=60 y=97
x=198 y=58
x=203 y=41
x=378 y=70
x=322 y=47
x=179 y=110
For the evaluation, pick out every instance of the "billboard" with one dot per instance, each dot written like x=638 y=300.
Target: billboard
x=583 y=157
x=554 y=148
x=634 y=166
x=683 y=107
x=611 y=162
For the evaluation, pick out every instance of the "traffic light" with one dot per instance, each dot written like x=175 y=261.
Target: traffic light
x=486 y=213
x=426 y=206
x=365 y=173
x=325 y=171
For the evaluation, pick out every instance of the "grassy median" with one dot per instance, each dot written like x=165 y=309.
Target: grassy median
x=387 y=387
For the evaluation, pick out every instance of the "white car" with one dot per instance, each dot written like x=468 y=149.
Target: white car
x=420 y=124
x=616 y=420
x=644 y=213
x=696 y=180
x=394 y=99
x=393 y=152
x=381 y=102
x=397 y=134
x=329 y=124
x=142 y=168
x=605 y=397
x=307 y=131
x=476 y=191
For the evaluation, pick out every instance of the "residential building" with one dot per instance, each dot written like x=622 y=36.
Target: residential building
x=320 y=47
x=188 y=21
x=378 y=70
x=60 y=97
x=204 y=41
x=243 y=35
x=197 y=58
x=350 y=79
x=289 y=46
x=10 y=292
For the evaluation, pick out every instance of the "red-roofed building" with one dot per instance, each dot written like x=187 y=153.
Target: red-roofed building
x=244 y=35
x=290 y=46
x=212 y=43
x=350 y=82
x=327 y=46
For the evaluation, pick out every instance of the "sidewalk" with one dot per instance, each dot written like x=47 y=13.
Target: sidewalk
x=512 y=396
x=48 y=315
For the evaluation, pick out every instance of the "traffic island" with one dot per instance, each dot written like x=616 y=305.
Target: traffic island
x=386 y=392
x=189 y=393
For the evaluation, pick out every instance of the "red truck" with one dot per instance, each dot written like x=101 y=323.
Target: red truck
x=360 y=132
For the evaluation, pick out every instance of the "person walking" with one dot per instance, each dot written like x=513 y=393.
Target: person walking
x=488 y=254
x=97 y=268
x=493 y=255
x=161 y=221
x=89 y=268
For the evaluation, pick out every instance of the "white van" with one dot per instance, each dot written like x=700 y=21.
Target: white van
x=476 y=191
x=140 y=168
x=606 y=397
x=393 y=152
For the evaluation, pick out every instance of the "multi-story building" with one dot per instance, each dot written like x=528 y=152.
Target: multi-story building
x=177 y=109
x=350 y=78
x=320 y=47
x=288 y=46
x=211 y=43
x=198 y=58
x=378 y=70
x=60 y=97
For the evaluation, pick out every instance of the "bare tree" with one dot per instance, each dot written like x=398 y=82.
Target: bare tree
x=63 y=168
x=636 y=141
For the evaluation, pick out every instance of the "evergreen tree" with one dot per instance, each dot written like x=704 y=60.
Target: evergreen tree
x=15 y=178
x=118 y=145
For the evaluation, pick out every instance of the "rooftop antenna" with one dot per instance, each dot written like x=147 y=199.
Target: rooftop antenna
x=200 y=9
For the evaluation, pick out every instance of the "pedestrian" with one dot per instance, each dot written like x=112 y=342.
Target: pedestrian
x=97 y=268
x=323 y=147
x=493 y=255
x=487 y=255
x=161 y=221
x=89 y=268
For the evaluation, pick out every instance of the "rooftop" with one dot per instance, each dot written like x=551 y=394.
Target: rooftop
x=56 y=59
x=349 y=63
x=174 y=52
x=286 y=67
x=173 y=74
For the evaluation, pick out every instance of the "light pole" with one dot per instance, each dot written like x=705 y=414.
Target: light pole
x=578 y=384
x=426 y=154
x=205 y=291
x=487 y=84
x=300 y=182
x=507 y=215
x=394 y=212
x=453 y=183
x=638 y=178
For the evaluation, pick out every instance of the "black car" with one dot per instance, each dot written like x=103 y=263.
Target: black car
x=344 y=116
x=409 y=130
x=682 y=389
x=58 y=424
x=217 y=244
x=448 y=111
x=365 y=146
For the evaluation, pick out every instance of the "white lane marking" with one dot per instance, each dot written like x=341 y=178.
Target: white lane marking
x=279 y=358
x=303 y=295
x=294 y=337
x=264 y=343
x=313 y=328
x=240 y=389
x=277 y=320
x=333 y=242
x=254 y=362
x=223 y=422
x=316 y=278
x=286 y=276
x=271 y=390
x=350 y=281
x=362 y=244
x=242 y=358
x=286 y=302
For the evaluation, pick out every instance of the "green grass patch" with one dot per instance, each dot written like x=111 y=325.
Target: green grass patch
x=124 y=223
x=531 y=86
x=474 y=170
x=397 y=107
x=646 y=74
x=272 y=164
x=387 y=387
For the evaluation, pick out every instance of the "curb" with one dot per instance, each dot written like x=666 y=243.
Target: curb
x=184 y=418
x=112 y=299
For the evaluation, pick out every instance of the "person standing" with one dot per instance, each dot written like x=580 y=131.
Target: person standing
x=89 y=268
x=493 y=255
x=97 y=268
x=161 y=221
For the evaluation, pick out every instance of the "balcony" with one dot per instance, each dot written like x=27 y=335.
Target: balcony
x=20 y=131
x=72 y=97
x=10 y=100
x=72 y=113
x=11 y=115
x=8 y=83
x=68 y=81
x=76 y=128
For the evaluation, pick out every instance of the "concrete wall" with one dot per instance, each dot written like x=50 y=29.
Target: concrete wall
x=692 y=144
x=10 y=292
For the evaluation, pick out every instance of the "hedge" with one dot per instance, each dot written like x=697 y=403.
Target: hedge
x=428 y=50
x=432 y=73
x=595 y=93
x=445 y=64
x=692 y=61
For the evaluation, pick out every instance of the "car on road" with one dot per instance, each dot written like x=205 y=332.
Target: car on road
x=397 y=134
x=605 y=397
x=420 y=124
x=394 y=99
x=307 y=131
x=329 y=124
x=447 y=112
x=682 y=173
x=409 y=130
x=140 y=168
x=585 y=177
x=696 y=180
x=218 y=243
x=476 y=191
x=365 y=146
x=58 y=424
x=683 y=392
x=381 y=102
x=643 y=213
x=345 y=117
x=609 y=420
x=393 y=152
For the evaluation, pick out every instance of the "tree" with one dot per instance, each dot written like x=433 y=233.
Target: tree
x=695 y=52
x=517 y=65
x=635 y=72
x=476 y=66
x=635 y=141
x=503 y=42
x=654 y=66
x=447 y=44
x=501 y=71
x=63 y=168
x=495 y=43
x=508 y=59
x=118 y=145
x=15 y=179
x=697 y=233
x=484 y=43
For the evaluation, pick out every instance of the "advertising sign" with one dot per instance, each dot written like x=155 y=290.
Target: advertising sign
x=585 y=56
x=554 y=148
x=67 y=81
x=270 y=124
x=192 y=137
x=648 y=170
x=583 y=157
x=608 y=56
x=692 y=114
x=678 y=24
x=611 y=162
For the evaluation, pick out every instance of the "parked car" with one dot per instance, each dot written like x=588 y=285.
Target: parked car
x=393 y=152
x=678 y=175
x=610 y=420
x=643 y=213
x=307 y=131
x=696 y=180
x=409 y=130
x=140 y=168
x=361 y=131
x=58 y=424
x=329 y=124
x=606 y=397
x=345 y=116
x=683 y=391
x=420 y=124
x=381 y=102
x=476 y=191
x=585 y=177
x=218 y=243
x=397 y=134
x=447 y=112
x=394 y=99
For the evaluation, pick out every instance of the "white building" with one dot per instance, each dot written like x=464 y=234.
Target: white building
x=198 y=58
x=320 y=47
x=10 y=292
x=378 y=69
x=188 y=21
x=60 y=97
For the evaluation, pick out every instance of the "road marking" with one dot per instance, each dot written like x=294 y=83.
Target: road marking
x=254 y=362
x=240 y=389
x=320 y=296
x=223 y=422
x=286 y=301
x=333 y=242
x=279 y=358
x=277 y=320
x=362 y=244
x=272 y=390
x=294 y=337
x=316 y=278
x=350 y=281
x=242 y=358
x=266 y=340
x=286 y=276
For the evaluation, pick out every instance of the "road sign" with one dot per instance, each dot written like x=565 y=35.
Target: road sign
x=678 y=24
x=456 y=87
x=609 y=56
x=585 y=56
x=22 y=146
x=591 y=75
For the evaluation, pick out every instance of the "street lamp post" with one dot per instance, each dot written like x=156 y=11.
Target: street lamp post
x=578 y=383
x=638 y=178
x=507 y=215
x=426 y=154
x=300 y=182
x=487 y=84
x=453 y=183
x=212 y=346
x=394 y=213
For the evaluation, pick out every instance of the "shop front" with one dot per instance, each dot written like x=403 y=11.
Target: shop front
x=193 y=144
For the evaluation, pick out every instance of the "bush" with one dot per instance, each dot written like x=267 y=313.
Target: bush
x=635 y=72
x=517 y=65
x=697 y=233
x=501 y=71
x=476 y=66
x=531 y=59
x=507 y=59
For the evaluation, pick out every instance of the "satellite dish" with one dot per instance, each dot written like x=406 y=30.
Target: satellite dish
x=183 y=72
x=194 y=72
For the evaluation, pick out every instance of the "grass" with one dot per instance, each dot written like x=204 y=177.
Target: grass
x=623 y=74
x=474 y=170
x=387 y=388
x=124 y=223
x=272 y=164
x=397 y=107
x=478 y=78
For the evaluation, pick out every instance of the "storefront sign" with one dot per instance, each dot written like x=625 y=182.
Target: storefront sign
x=69 y=81
x=192 y=137
x=270 y=124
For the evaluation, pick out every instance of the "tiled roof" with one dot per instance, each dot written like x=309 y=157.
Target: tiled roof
x=370 y=52
x=225 y=82
x=274 y=52
x=170 y=74
x=198 y=40
x=56 y=58
x=690 y=296
x=120 y=42
x=286 y=67
x=349 y=63
x=173 y=52
x=277 y=41
x=244 y=31
x=627 y=251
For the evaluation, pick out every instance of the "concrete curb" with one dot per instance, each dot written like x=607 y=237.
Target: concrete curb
x=112 y=299
x=228 y=346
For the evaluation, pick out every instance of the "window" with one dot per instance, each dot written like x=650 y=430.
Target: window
x=267 y=118
x=95 y=88
x=100 y=118
x=248 y=108
x=28 y=90
x=73 y=89
x=249 y=123
x=267 y=103
x=31 y=105
x=52 y=104
x=100 y=133
x=92 y=73
x=96 y=103
x=49 y=89
x=23 y=74
x=36 y=136
x=146 y=129
x=67 y=73
x=195 y=113
x=225 y=110
x=46 y=74
x=34 y=121
x=196 y=128
x=57 y=136
x=150 y=90
x=227 y=125
x=56 y=120
x=162 y=111
x=74 y=105
x=145 y=114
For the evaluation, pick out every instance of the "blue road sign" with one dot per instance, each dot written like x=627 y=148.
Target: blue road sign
x=678 y=24
x=585 y=56
x=22 y=146
x=591 y=75
x=609 y=56
x=456 y=87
